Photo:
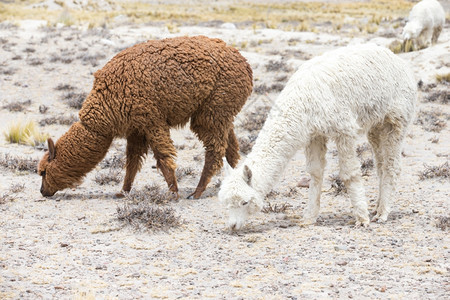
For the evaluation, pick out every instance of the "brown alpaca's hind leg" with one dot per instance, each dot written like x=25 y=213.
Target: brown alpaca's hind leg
x=215 y=143
x=164 y=152
x=137 y=147
x=232 y=152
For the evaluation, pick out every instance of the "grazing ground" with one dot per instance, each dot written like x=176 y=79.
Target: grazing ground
x=83 y=243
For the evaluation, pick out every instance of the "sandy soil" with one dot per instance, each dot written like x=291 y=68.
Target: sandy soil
x=73 y=246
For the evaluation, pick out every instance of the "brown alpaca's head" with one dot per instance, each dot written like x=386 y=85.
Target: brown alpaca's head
x=44 y=169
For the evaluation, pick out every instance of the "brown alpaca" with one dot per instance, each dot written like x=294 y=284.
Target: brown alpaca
x=143 y=92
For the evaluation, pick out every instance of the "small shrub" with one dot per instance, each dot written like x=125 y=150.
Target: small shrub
x=117 y=161
x=148 y=216
x=25 y=133
x=17 y=106
x=11 y=193
x=112 y=176
x=439 y=96
x=61 y=120
x=442 y=171
x=64 y=87
x=75 y=100
x=141 y=209
x=366 y=166
x=443 y=222
x=337 y=185
x=35 y=61
x=16 y=163
x=276 y=208
x=273 y=66
x=183 y=172
x=254 y=120
x=433 y=121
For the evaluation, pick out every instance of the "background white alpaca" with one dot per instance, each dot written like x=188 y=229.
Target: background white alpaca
x=345 y=92
x=425 y=23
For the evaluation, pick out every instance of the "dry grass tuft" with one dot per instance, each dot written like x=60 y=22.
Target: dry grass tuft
x=16 y=163
x=443 y=78
x=442 y=171
x=25 y=133
x=141 y=210
x=276 y=208
x=64 y=87
x=246 y=143
x=439 y=96
x=402 y=47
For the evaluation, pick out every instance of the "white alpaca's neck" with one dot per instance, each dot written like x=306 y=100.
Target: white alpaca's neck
x=272 y=151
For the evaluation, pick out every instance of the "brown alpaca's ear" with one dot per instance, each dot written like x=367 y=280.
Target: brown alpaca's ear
x=247 y=175
x=51 y=149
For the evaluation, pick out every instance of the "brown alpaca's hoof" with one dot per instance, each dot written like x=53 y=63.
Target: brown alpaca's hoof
x=119 y=195
x=193 y=196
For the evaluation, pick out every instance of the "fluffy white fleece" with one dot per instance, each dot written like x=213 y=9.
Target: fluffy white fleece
x=425 y=23
x=343 y=93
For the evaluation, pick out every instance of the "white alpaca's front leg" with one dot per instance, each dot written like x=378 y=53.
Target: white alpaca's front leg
x=350 y=173
x=315 y=155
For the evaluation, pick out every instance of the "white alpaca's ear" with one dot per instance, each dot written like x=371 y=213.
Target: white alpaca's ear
x=51 y=149
x=247 y=175
x=226 y=166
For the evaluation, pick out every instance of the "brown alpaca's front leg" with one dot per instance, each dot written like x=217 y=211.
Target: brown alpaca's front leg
x=215 y=141
x=137 y=147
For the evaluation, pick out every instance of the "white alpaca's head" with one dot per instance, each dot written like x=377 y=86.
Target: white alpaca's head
x=411 y=30
x=238 y=196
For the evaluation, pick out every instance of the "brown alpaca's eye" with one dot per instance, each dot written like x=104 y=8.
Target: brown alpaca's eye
x=43 y=173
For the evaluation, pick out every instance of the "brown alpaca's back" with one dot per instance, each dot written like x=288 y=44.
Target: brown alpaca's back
x=151 y=87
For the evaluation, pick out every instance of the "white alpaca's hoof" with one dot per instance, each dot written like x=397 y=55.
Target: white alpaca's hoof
x=307 y=220
x=380 y=218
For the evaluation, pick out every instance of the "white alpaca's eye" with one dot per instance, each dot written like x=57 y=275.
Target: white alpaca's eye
x=243 y=203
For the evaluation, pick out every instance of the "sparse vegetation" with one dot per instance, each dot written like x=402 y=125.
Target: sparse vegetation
x=11 y=193
x=366 y=166
x=61 y=120
x=27 y=133
x=254 y=120
x=440 y=171
x=64 y=87
x=402 y=46
x=117 y=161
x=141 y=209
x=17 y=106
x=434 y=120
x=16 y=163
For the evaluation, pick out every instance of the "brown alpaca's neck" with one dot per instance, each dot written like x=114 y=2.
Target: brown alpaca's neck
x=78 y=151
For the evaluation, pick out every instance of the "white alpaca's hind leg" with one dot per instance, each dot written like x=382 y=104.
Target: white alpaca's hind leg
x=350 y=173
x=391 y=143
x=374 y=140
x=315 y=156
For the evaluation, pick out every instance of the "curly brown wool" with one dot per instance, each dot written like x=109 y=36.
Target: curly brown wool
x=143 y=92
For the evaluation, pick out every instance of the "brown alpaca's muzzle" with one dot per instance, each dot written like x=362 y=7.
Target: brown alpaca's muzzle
x=46 y=191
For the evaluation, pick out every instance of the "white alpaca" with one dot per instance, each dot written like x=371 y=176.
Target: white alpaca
x=339 y=95
x=425 y=23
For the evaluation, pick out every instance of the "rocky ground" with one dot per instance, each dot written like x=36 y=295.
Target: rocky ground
x=73 y=245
